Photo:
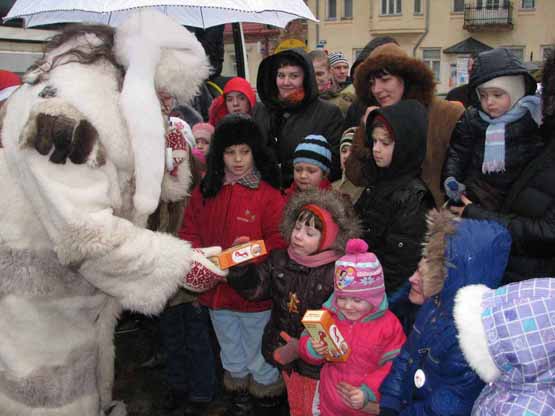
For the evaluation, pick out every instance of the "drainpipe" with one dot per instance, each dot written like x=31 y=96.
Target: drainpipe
x=318 y=24
x=425 y=30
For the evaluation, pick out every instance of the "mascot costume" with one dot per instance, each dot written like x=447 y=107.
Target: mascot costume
x=83 y=161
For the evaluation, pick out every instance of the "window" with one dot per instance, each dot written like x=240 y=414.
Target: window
x=390 y=7
x=518 y=52
x=432 y=58
x=528 y=4
x=417 y=6
x=332 y=9
x=458 y=6
x=348 y=9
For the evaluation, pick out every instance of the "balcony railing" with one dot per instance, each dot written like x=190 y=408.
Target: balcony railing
x=484 y=15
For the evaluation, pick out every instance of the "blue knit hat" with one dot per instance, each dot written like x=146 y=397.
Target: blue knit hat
x=314 y=150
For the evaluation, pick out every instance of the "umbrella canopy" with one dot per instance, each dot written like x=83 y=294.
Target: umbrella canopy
x=197 y=13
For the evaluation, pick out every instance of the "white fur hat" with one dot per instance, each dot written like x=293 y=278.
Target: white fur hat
x=158 y=55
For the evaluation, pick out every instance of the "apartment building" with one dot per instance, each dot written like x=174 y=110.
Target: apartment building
x=441 y=32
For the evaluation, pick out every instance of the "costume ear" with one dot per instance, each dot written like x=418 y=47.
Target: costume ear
x=172 y=60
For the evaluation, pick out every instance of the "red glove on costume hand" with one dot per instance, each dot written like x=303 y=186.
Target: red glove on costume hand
x=204 y=275
x=288 y=352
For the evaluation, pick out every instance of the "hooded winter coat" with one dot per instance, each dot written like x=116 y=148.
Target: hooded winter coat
x=419 y=85
x=506 y=336
x=395 y=201
x=523 y=141
x=431 y=375
x=285 y=125
x=295 y=288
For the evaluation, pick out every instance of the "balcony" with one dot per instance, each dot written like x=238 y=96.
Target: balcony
x=488 y=15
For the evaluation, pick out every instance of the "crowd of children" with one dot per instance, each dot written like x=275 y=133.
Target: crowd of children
x=396 y=305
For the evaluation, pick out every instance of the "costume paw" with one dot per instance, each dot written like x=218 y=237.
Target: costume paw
x=58 y=129
x=204 y=274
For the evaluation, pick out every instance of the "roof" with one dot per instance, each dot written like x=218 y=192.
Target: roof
x=469 y=46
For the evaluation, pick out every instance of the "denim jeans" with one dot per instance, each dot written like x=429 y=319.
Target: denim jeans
x=240 y=337
x=191 y=365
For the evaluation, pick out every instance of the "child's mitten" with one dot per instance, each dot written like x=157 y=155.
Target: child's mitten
x=289 y=352
x=453 y=189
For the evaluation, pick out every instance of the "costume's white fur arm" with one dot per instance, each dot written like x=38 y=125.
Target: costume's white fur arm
x=139 y=267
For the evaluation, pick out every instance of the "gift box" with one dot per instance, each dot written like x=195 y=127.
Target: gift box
x=322 y=327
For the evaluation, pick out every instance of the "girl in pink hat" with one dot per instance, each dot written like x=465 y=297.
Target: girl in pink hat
x=358 y=306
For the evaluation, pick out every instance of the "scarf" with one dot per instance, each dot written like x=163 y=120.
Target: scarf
x=251 y=179
x=296 y=97
x=315 y=260
x=494 y=151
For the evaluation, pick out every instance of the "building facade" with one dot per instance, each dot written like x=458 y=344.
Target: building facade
x=441 y=32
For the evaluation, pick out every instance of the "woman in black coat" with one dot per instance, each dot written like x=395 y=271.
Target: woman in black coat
x=285 y=121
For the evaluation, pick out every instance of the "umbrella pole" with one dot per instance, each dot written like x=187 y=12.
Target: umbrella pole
x=240 y=51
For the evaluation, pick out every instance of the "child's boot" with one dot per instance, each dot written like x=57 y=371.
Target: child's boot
x=241 y=400
x=268 y=399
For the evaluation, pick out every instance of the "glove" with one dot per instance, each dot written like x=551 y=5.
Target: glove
x=204 y=275
x=288 y=352
x=453 y=189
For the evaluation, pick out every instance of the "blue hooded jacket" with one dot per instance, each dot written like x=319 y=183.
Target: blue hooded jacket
x=431 y=375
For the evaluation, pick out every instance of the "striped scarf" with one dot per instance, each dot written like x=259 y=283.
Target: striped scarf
x=494 y=151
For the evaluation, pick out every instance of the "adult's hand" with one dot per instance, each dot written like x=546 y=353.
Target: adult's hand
x=368 y=111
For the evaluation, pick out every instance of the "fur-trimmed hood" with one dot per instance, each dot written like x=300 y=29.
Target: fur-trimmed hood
x=417 y=76
x=462 y=252
x=335 y=203
x=506 y=336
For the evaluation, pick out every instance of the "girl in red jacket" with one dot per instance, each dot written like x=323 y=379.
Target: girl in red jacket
x=238 y=196
x=373 y=333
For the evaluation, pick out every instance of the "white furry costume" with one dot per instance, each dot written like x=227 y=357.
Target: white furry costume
x=72 y=248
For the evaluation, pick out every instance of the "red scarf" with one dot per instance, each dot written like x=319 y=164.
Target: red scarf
x=296 y=97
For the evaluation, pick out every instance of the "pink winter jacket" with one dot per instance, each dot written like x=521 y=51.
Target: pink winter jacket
x=375 y=341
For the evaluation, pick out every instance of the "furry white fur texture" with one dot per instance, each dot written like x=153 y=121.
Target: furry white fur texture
x=176 y=63
x=472 y=335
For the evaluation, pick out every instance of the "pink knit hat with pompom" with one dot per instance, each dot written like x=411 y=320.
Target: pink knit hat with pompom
x=359 y=274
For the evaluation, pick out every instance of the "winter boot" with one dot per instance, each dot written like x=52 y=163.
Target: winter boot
x=241 y=400
x=268 y=398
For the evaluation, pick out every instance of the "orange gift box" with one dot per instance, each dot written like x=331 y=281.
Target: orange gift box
x=321 y=327
x=238 y=254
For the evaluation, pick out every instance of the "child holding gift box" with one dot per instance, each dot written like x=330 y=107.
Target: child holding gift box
x=316 y=224
x=372 y=332
x=238 y=196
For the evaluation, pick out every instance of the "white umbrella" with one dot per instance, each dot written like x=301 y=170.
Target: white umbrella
x=197 y=13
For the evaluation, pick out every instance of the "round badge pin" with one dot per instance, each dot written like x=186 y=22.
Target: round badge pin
x=419 y=378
